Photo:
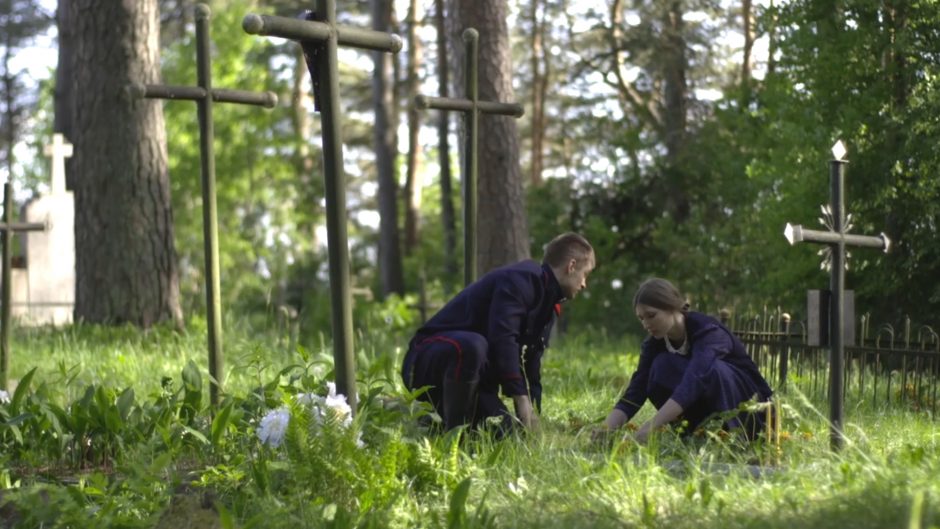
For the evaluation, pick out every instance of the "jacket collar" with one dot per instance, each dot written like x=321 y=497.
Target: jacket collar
x=552 y=287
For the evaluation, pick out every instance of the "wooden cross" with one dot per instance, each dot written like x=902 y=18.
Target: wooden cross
x=837 y=239
x=58 y=151
x=204 y=95
x=320 y=36
x=471 y=107
x=9 y=228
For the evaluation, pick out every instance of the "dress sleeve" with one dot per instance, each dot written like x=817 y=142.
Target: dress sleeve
x=634 y=396
x=707 y=345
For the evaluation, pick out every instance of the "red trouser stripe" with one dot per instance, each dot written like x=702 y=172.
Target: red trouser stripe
x=456 y=345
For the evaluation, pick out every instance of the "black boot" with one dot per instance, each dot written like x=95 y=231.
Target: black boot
x=460 y=400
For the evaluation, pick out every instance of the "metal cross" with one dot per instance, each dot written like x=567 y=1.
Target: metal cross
x=320 y=36
x=58 y=151
x=8 y=228
x=472 y=107
x=204 y=95
x=837 y=239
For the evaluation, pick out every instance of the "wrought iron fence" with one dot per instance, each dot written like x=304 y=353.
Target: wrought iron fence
x=884 y=366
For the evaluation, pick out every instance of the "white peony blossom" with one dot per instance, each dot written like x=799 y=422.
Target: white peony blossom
x=338 y=404
x=274 y=426
x=4 y=397
x=329 y=408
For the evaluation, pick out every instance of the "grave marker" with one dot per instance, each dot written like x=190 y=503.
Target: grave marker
x=471 y=107
x=9 y=228
x=320 y=36
x=44 y=292
x=837 y=239
x=204 y=95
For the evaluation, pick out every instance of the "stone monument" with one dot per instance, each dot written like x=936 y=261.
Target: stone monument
x=44 y=292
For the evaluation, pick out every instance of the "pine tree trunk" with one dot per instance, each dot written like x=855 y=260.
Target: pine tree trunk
x=385 y=139
x=126 y=267
x=539 y=65
x=412 y=191
x=447 y=199
x=747 y=19
x=502 y=231
x=62 y=98
x=675 y=117
x=9 y=119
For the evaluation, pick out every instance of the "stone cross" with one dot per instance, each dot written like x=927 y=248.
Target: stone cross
x=471 y=107
x=8 y=228
x=320 y=36
x=837 y=239
x=58 y=151
x=204 y=95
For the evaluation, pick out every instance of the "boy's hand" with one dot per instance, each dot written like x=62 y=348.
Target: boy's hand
x=524 y=411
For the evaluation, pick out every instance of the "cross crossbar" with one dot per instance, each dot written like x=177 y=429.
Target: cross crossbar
x=23 y=226
x=197 y=93
x=465 y=105
x=313 y=30
x=799 y=234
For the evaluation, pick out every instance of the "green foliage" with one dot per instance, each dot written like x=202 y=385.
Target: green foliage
x=94 y=455
x=756 y=158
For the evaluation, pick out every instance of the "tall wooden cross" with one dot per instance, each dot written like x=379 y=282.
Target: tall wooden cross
x=471 y=107
x=58 y=151
x=8 y=227
x=837 y=238
x=204 y=95
x=320 y=37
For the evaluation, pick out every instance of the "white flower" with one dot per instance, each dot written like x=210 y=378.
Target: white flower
x=338 y=404
x=4 y=397
x=273 y=426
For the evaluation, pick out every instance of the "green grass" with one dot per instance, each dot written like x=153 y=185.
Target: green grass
x=885 y=477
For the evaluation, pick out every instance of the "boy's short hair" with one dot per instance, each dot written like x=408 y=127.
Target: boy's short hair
x=565 y=247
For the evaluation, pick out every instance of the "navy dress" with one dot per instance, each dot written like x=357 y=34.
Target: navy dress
x=716 y=375
x=494 y=332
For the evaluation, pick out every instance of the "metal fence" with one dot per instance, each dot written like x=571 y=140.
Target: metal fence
x=884 y=366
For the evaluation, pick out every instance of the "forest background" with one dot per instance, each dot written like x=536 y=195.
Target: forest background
x=679 y=137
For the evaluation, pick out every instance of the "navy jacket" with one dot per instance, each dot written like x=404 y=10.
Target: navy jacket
x=709 y=341
x=512 y=307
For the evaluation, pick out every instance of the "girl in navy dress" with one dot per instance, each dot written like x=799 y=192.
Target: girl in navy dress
x=691 y=367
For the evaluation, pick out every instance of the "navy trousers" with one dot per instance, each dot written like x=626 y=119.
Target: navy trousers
x=453 y=357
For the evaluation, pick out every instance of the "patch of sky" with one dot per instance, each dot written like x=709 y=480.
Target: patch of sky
x=369 y=218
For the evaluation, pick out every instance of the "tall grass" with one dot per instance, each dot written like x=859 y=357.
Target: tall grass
x=885 y=477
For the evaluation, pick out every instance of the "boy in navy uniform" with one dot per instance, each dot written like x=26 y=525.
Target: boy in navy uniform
x=493 y=334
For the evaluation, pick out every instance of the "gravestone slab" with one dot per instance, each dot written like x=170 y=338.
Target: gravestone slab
x=44 y=293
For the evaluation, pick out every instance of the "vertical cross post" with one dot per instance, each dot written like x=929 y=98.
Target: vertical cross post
x=8 y=227
x=58 y=151
x=837 y=239
x=471 y=107
x=320 y=37
x=204 y=95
